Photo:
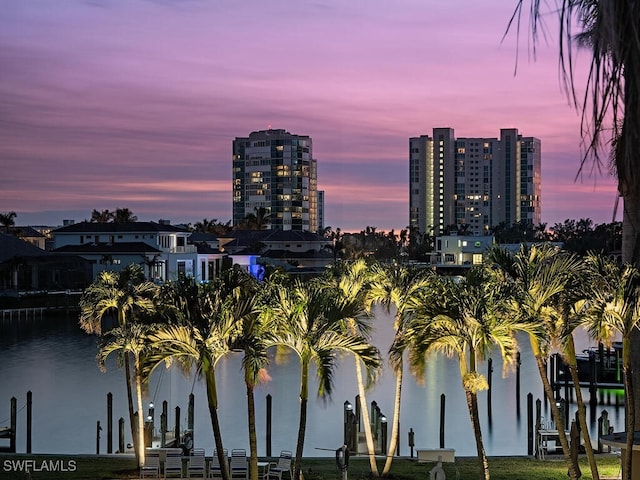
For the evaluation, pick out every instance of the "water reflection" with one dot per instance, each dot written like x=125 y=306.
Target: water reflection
x=56 y=361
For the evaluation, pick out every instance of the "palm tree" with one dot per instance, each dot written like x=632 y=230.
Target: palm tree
x=200 y=332
x=259 y=219
x=124 y=215
x=611 y=103
x=403 y=287
x=101 y=216
x=307 y=319
x=540 y=274
x=466 y=320
x=350 y=281
x=614 y=308
x=572 y=305
x=252 y=338
x=128 y=339
x=7 y=220
x=126 y=295
x=205 y=226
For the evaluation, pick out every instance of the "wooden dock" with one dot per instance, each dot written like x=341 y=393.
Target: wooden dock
x=22 y=313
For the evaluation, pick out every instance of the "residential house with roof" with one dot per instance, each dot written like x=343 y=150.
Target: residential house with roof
x=293 y=250
x=164 y=250
x=25 y=267
x=459 y=252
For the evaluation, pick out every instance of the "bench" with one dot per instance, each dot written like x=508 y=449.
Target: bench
x=445 y=455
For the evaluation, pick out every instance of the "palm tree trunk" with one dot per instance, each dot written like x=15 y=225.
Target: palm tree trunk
x=132 y=418
x=302 y=425
x=472 y=403
x=582 y=418
x=393 y=442
x=212 y=400
x=557 y=417
x=628 y=402
x=141 y=445
x=253 y=443
x=366 y=421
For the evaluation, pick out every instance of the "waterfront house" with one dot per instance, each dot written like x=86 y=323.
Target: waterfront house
x=162 y=249
x=25 y=267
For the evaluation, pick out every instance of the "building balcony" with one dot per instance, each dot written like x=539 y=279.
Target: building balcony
x=185 y=249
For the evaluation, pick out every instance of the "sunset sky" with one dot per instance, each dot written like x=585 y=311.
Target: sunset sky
x=134 y=103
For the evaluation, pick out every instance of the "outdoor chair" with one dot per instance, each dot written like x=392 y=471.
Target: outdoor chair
x=196 y=464
x=151 y=467
x=173 y=463
x=215 y=471
x=276 y=469
x=238 y=466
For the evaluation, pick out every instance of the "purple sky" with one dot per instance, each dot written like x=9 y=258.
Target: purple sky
x=116 y=103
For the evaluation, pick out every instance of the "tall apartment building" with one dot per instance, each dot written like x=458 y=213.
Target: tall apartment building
x=475 y=182
x=275 y=169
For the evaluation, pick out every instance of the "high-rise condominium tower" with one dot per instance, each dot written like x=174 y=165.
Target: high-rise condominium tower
x=473 y=182
x=275 y=170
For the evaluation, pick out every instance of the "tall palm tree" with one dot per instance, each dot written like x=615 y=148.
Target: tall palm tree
x=202 y=326
x=572 y=307
x=350 y=280
x=610 y=105
x=252 y=338
x=540 y=274
x=307 y=319
x=614 y=308
x=466 y=320
x=402 y=287
x=125 y=340
x=611 y=101
x=129 y=297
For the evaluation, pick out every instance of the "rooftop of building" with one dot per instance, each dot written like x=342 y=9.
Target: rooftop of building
x=125 y=227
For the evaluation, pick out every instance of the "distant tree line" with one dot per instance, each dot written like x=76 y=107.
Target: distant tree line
x=577 y=236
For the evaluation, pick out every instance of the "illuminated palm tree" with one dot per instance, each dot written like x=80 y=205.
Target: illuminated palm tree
x=307 y=319
x=252 y=338
x=572 y=305
x=125 y=340
x=402 y=287
x=203 y=322
x=540 y=275
x=610 y=105
x=350 y=280
x=614 y=308
x=126 y=295
x=466 y=320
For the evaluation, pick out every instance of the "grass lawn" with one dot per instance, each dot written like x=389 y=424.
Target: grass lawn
x=85 y=467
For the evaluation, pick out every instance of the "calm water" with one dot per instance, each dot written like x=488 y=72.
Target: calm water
x=56 y=361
